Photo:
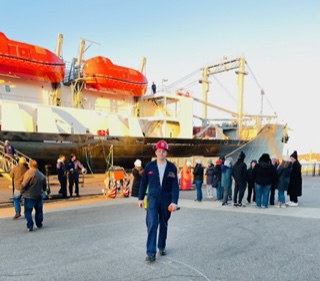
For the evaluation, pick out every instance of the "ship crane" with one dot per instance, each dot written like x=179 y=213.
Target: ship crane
x=225 y=65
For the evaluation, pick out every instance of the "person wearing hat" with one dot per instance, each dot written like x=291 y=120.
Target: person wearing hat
x=263 y=176
x=209 y=179
x=137 y=174
x=239 y=173
x=284 y=171
x=295 y=184
x=198 y=179
x=160 y=177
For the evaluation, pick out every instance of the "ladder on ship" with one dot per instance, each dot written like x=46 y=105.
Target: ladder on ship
x=7 y=163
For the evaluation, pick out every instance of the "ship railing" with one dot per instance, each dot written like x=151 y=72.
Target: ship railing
x=72 y=72
x=310 y=169
x=7 y=162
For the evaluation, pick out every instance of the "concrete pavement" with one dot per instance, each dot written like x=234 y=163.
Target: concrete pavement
x=95 y=238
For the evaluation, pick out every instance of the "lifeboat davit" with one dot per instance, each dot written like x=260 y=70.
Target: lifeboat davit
x=101 y=74
x=22 y=60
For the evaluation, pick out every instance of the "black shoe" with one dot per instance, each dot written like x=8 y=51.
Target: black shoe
x=150 y=258
x=39 y=226
x=78 y=195
x=30 y=229
x=235 y=204
x=16 y=216
x=162 y=252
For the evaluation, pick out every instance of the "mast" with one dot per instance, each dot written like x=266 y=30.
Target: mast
x=56 y=87
x=205 y=89
x=78 y=83
x=240 y=81
x=59 y=45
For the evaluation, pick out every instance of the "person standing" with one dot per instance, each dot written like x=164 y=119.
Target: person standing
x=209 y=179
x=226 y=179
x=217 y=176
x=251 y=183
x=160 y=177
x=137 y=175
x=17 y=174
x=153 y=88
x=239 y=173
x=263 y=176
x=275 y=164
x=8 y=149
x=61 y=170
x=33 y=185
x=295 y=184
x=198 y=179
x=73 y=167
x=284 y=172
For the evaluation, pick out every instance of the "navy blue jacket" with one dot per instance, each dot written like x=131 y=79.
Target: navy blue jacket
x=167 y=193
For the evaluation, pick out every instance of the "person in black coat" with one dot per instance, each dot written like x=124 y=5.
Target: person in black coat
x=137 y=174
x=251 y=183
x=295 y=184
x=239 y=173
x=198 y=179
x=263 y=175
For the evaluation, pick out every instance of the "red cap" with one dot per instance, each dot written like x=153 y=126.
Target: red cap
x=161 y=144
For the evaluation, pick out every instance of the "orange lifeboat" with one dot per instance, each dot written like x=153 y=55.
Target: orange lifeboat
x=28 y=61
x=101 y=74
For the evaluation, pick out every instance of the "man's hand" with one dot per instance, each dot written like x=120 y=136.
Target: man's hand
x=140 y=203
x=172 y=207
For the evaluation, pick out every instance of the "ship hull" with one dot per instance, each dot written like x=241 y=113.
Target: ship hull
x=98 y=153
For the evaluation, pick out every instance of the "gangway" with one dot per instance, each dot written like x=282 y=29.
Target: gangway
x=7 y=163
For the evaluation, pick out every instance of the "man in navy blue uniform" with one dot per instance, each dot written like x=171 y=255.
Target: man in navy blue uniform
x=160 y=177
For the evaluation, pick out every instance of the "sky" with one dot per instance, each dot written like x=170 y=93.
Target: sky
x=280 y=40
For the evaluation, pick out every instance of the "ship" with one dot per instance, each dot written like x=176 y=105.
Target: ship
x=102 y=112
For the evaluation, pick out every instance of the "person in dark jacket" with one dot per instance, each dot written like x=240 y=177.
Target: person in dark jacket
x=226 y=179
x=61 y=171
x=284 y=172
x=263 y=175
x=251 y=183
x=209 y=178
x=275 y=164
x=33 y=185
x=198 y=179
x=160 y=177
x=295 y=184
x=217 y=175
x=137 y=174
x=73 y=167
x=239 y=173
x=17 y=174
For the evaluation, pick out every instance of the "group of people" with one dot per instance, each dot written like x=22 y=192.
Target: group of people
x=29 y=183
x=72 y=169
x=263 y=178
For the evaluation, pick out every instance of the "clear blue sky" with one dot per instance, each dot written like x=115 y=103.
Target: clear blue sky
x=279 y=38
